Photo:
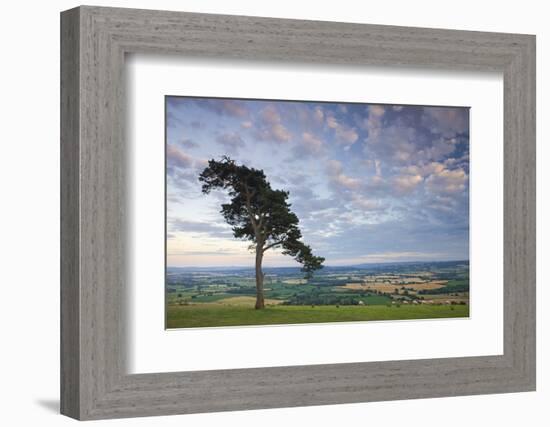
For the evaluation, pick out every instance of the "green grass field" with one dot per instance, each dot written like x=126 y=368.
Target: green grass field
x=210 y=315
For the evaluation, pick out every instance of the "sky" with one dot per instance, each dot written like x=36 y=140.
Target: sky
x=370 y=183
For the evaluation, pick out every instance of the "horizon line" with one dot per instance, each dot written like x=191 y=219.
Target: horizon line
x=343 y=265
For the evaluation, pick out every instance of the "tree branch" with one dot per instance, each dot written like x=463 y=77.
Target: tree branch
x=271 y=245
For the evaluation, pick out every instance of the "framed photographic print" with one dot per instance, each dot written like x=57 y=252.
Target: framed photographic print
x=364 y=184
x=356 y=201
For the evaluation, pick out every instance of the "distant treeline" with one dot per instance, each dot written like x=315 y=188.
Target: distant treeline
x=451 y=288
x=332 y=299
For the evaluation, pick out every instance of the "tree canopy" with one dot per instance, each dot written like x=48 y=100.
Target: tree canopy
x=257 y=212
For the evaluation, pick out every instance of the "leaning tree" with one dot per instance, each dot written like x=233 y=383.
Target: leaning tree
x=259 y=214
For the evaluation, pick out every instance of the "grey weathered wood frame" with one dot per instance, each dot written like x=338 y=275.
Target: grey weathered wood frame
x=94 y=41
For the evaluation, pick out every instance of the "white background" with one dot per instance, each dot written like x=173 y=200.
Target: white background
x=153 y=349
x=29 y=218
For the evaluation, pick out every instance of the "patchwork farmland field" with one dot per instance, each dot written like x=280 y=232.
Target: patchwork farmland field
x=226 y=297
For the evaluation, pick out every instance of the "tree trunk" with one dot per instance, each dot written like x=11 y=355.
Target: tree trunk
x=259 y=279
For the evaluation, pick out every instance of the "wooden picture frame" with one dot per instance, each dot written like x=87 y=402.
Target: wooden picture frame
x=94 y=382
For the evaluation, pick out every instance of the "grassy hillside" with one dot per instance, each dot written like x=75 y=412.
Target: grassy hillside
x=209 y=315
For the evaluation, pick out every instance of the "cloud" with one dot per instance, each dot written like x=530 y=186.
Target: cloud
x=377 y=183
x=396 y=257
x=373 y=123
x=406 y=183
x=423 y=170
x=415 y=135
x=235 y=108
x=447 y=121
x=377 y=167
x=307 y=204
x=183 y=172
x=173 y=120
x=337 y=177
x=231 y=141
x=177 y=158
x=334 y=167
x=279 y=133
x=310 y=144
x=376 y=110
x=401 y=144
x=270 y=127
x=187 y=143
x=224 y=107
x=318 y=115
x=437 y=177
x=221 y=252
x=440 y=149
x=332 y=122
x=347 y=182
x=400 y=190
x=447 y=181
x=201 y=163
x=199 y=227
x=344 y=134
x=306 y=117
x=182 y=183
x=270 y=115
x=313 y=205
x=431 y=168
x=393 y=143
x=366 y=204
x=276 y=133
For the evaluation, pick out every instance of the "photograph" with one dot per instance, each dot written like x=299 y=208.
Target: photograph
x=292 y=212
